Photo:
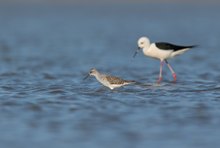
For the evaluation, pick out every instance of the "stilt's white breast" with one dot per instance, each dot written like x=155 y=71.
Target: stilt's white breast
x=157 y=53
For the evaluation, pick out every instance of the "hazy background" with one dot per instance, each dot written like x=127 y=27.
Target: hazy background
x=93 y=2
x=47 y=47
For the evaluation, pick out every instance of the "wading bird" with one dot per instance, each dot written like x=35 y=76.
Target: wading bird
x=107 y=80
x=161 y=51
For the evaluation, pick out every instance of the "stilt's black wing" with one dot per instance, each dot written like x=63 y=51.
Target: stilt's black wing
x=168 y=46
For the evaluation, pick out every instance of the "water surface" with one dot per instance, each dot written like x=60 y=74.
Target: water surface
x=46 y=52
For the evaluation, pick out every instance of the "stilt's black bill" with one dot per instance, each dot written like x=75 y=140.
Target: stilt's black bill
x=86 y=77
x=136 y=52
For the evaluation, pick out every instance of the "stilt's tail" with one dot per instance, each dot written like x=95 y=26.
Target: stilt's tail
x=181 y=51
x=193 y=46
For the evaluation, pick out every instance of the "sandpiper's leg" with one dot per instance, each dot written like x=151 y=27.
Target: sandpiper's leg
x=171 y=69
x=161 y=70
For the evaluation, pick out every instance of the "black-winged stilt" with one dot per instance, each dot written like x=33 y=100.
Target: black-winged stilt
x=161 y=51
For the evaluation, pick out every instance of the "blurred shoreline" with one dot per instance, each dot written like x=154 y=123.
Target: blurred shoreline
x=101 y=2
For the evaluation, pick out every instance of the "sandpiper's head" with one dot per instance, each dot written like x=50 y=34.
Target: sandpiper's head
x=143 y=42
x=93 y=72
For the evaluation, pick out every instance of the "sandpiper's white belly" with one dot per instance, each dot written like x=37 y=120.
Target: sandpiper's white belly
x=103 y=81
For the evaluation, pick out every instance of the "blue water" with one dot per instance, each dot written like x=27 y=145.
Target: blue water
x=46 y=51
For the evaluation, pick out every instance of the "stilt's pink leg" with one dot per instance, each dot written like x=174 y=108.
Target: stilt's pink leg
x=161 y=70
x=172 y=71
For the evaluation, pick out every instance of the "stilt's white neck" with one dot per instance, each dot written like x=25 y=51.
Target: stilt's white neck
x=145 y=49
